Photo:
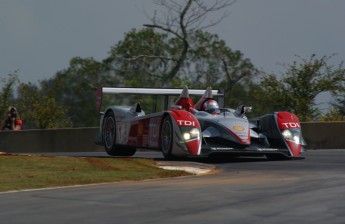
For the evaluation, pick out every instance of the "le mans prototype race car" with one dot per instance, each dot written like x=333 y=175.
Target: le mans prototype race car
x=196 y=130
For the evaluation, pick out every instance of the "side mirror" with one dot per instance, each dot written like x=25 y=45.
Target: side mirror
x=247 y=109
x=242 y=110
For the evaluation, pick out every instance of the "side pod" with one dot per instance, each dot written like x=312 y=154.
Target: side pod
x=283 y=131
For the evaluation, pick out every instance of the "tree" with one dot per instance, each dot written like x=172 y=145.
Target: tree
x=212 y=63
x=181 y=19
x=40 y=108
x=144 y=58
x=7 y=93
x=75 y=89
x=339 y=105
x=300 y=85
x=333 y=114
x=141 y=59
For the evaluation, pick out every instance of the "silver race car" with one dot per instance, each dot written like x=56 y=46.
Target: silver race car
x=196 y=130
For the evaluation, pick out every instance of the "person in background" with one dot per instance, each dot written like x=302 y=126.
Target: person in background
x=12 y=121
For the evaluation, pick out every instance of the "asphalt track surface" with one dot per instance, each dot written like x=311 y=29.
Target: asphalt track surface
x=242 y=190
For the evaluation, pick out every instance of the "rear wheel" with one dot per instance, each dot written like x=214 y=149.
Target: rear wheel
x=167 y=138
x=109 y=138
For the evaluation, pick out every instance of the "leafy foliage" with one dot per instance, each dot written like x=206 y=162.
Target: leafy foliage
x=297 y=90
x=145 y=59
x=212 y=63
x=333 y=114
x=75 y=89
x=40 y=108
x=7 y=94
x=142 y=59
x=339 y=106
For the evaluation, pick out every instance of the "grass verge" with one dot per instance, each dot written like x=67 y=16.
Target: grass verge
x=18 y=172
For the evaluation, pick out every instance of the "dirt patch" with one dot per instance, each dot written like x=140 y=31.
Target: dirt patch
x=101 y=164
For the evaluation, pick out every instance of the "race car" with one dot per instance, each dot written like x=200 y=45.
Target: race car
x=185 y=129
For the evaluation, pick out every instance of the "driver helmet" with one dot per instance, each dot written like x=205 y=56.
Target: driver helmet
x=211 y=106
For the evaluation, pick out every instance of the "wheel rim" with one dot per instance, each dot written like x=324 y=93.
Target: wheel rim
x=166 y=137
x=109 y=132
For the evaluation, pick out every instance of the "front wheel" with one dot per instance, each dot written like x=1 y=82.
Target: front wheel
x=167 y=138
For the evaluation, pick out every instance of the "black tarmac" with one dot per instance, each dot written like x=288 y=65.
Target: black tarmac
x=237 y=190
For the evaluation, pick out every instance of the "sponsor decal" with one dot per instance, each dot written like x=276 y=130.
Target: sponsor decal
x=220 y=148
x=291 y=125
x=153 y=129
x=267 y=149
x=185 y=123
x=238 y=128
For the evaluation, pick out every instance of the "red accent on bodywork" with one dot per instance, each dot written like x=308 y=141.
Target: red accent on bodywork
x=242 y=140
x=185 y=103
x=184 y=118
x=141 y=133
x=246 y=141
x=295 y=148
x=193 y=146
x=288 y=120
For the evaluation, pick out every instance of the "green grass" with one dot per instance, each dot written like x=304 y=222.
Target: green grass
x=29 y=172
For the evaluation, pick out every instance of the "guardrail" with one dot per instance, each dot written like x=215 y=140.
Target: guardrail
x=49 y=140
x=318 y=135
x=324 y=135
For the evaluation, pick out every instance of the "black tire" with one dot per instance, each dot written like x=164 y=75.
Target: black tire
x=167 y=138
x=109 y=138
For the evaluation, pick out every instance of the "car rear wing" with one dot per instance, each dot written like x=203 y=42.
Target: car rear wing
x=151 y=91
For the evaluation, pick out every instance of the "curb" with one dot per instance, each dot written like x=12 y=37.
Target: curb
x=190 y=167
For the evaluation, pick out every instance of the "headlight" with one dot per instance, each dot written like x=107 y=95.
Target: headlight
x=292 y=135
x=186 y=136
x=287 y=134
x=296 y=139
x=194 y=133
